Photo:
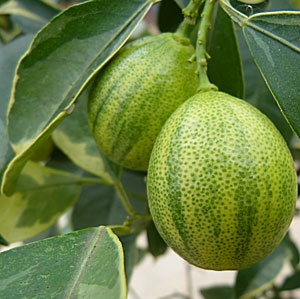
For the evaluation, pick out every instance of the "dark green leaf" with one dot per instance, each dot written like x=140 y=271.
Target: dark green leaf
x=73 y=137
x=9 y=56
x=256 y=279
x=274 y=43
x=3 y=1
x=258 y=94
x=281 y=5
x=31 y=15
x=100 y=205
x=295 y=254
x=130 y=254
x=61 y=60
x=63 y=57
x=95 y=206
x=83 y=264
x=224 y=67
x=16 y=165
x=3 y=241
x=169 y=16
x=5 y=150
x=218 y=292
x=156 y=245
x=292 y=282
x=42 y=195
x=182 y=3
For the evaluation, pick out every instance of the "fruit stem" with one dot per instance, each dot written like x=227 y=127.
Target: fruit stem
x=124 y=198
x=201 y=54
x=190 y=13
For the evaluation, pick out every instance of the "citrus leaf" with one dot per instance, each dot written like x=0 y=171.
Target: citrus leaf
x=16 y=165
x=100 y=205
x=82 y=264
x=273 y=39
x=274 y=44
x=156 y=245
x=5 y=150
x=218 y=292
x=281 y=5
x=169 y=16
x=256 y=279
x=182 y=3
x=291 y=282
x=31 y=15
x=9 y=56
x=62 y=58
x=96 y=206
x=130 y=254
x=3 y=241
x=258 y=94
x=225 y=67
x=73 y=137
x=42 y=195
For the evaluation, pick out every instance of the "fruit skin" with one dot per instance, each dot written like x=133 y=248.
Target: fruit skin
x=221 y=183
x=136 y=93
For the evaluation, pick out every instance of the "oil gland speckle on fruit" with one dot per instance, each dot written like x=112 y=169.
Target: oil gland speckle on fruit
x=135 y=94
x=221 y=183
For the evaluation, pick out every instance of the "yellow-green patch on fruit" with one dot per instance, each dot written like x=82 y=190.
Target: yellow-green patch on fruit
x=135 y=94
x=221 y=183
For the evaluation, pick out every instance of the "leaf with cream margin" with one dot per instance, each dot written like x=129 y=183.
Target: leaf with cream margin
x=59 y=63
x=42 y=196
x=87 y=263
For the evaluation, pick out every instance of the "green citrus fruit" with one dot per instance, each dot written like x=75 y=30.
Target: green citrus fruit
x=221 y=183
x=134 y=95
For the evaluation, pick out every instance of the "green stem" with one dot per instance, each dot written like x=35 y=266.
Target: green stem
x=191 y=11
x=201 y=54
x=124 y=198
x=184 y=29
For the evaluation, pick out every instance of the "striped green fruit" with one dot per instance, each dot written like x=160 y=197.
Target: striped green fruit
x=135 y=94
x=221 y=183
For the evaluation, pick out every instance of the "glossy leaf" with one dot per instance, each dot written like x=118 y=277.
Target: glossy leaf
x=73 y=137
x=218 y=292
x=182 y=3
x=256 y=279
x=130 y=254
x=84 y=264
x=291 y=282
x=225 y=67
x=100 y=205
x=31 y=15
x=62 y=58
x=258 y=94
x=16 y=165
x=42 y=195
x=60 y=61
x=169 y=16
x=156 y=245
x=96 y=206
x=3 y=241
x=274 y=43
x=5 y=151
x=276 y=5
x=9 y=56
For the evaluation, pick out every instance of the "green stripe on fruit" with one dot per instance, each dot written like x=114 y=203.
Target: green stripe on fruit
x=135 y=94
x=221 y=183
